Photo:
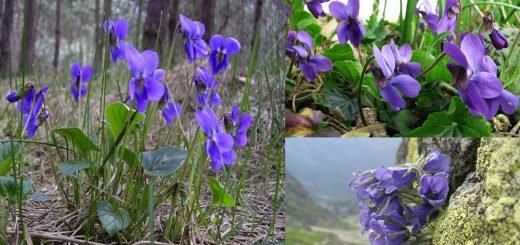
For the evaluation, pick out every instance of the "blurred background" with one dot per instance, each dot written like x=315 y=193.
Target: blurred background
x=321 y=208
x=63 y=30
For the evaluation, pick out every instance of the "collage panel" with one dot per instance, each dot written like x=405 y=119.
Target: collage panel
x=142 y=122
x=395 y=68
x=402 y=190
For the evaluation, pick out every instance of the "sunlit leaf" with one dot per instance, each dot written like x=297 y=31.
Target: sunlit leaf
x=339 y=52
x=220 y=196
x=78 y=139
x=118 y=114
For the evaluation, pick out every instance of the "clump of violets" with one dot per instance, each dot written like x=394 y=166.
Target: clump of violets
x=222 y=48
x=475 y=75
x=394 y=74
x=192 y=31
x=315 y=7
x=117 y=31
x=399 y=201
x=299 y=48
x=146 y=84
x=350 y=29
x=80 y=77
x=31 y=105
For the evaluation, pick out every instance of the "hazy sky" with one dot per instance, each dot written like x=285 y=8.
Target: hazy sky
x=325 y=165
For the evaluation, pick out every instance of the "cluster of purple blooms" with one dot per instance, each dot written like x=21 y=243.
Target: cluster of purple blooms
x=147 y=85
x=222 y=135
x=299 y=44
x=399 y=201
x=473 y=71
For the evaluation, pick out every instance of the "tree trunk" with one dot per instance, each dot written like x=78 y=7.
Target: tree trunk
x=57 y=41
x=7 y=25
x=485 y=210
x=153 y=30
x=30 y=35
x=208 y=17
x=258 y=15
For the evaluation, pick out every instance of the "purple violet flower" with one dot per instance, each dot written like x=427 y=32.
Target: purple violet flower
x=222 y=48
x=388 y=82
x=437 y=162
x=419 y=215
x=315 y=7
x=22 y=92
x=117 y=31
x=195 y=47
x=219 y=144
x=474 y=74
x=170 y=109
x=206 y=86
x=497 y=38
x=80 y=77
x=242 y=124
x=506 y=100
x=33 y=113
x=146 y=84
x=350 y=28
x=434 y=188
x=448 y=21
x=314 y=64
x=429 y=9
x=292 y=47
x=402 y=56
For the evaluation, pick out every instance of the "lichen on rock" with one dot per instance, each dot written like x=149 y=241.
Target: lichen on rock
x=485 y=209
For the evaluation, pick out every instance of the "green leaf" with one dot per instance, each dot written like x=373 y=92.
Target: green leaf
x=347 y=104
x=511 y=75
x=78 y=139
x=7 y=152
x=456 y=122
x=220 y=196
x=164 y=161
x=129 y=156
x=351 y=70
x=375 y=30
x=8 y=187
x=403 y=121
x=118 y=114
x=72 y=167
x=339 y=52
x=112 y=220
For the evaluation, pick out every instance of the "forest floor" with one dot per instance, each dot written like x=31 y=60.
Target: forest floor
x=55 y=220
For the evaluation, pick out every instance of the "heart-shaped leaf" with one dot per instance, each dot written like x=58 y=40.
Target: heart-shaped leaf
x=72 y=167
x=220 y=196
x=78 y=139
x=8 y=187
x=117 y=116
x=164 y=161
x=7 y=153
x=112 y=220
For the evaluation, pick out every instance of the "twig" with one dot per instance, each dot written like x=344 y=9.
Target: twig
x=56 y=237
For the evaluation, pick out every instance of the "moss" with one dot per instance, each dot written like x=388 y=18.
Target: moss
x=486 y=208
x=413 y=150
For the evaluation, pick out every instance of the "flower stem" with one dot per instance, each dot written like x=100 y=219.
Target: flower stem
x=360 y=84
x=429 y=68
x=506 y=63
x=289 y=71
x=491 y=3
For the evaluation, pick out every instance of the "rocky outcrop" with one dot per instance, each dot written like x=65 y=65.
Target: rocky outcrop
x=485 y=209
